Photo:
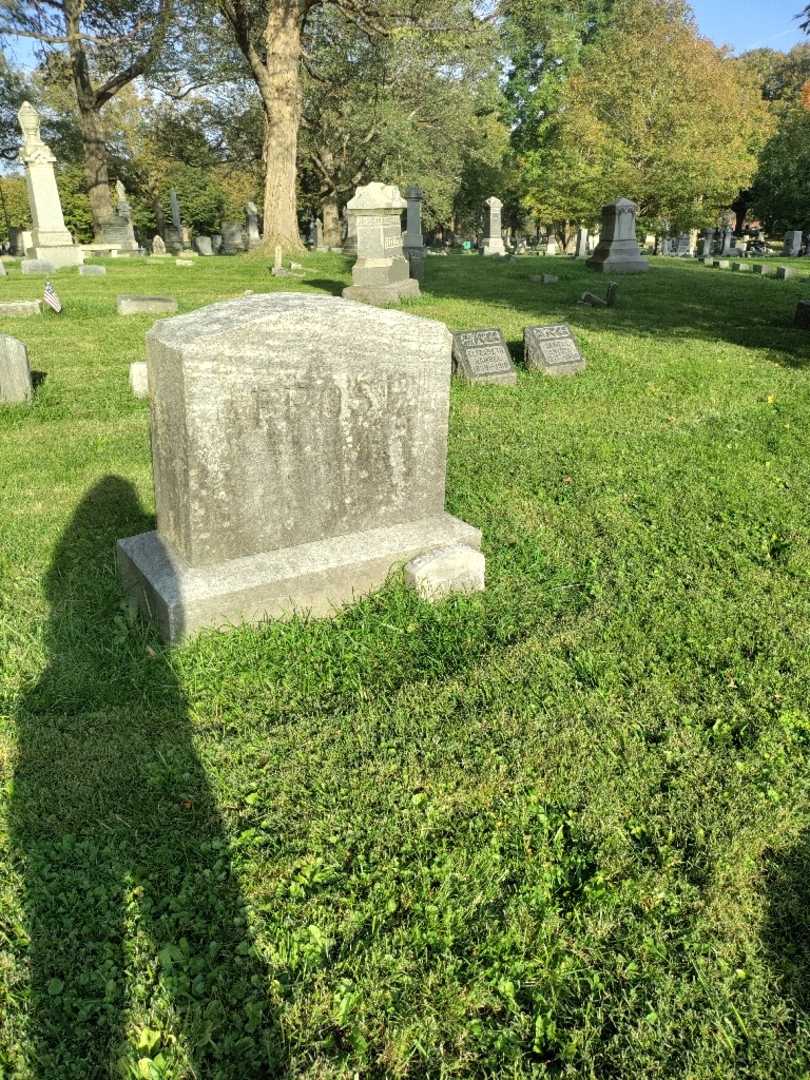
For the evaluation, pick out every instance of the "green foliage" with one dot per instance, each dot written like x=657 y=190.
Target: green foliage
x=781 y=191
x=653 y=112
x=202 y=200
x=14 y=210
x=75 y=204
x=559 y=828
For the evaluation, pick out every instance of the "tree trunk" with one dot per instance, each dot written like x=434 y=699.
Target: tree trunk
x=282 y=111
x=331 y=220
x=95 y=164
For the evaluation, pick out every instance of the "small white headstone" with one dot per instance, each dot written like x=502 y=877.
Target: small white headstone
x=139 y=379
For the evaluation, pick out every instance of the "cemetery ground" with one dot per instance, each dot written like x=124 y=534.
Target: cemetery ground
x=557 y=828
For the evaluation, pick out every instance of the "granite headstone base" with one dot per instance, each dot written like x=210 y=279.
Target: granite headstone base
x=315 y=578
x=380 y=295
x=68 y=255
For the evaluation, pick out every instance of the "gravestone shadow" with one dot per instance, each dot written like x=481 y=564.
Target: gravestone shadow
x=124 y=855
x=786 y=931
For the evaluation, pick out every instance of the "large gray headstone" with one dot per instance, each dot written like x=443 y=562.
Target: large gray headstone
x=381 y=274
x=552 y=350
x=481 y=356
x=299 y=452
x=15 y=374
x=203 y=245
x=233 y=237
x=618 y=251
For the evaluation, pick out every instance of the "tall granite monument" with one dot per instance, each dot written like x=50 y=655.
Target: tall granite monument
x=299 y=453
x=381 y=274
x=414 y=241
x=50 y=240
x=617 y=251
x=254 y=237
x=493 y=241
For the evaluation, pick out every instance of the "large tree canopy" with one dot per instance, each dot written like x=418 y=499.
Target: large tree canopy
x=653 y=112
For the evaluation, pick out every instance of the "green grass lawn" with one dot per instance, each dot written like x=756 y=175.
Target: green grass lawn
x=560 y=828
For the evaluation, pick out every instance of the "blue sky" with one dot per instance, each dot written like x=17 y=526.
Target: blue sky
x=743 y=24
x=750 y=24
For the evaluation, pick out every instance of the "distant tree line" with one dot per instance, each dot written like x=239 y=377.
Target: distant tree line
x=556 y=106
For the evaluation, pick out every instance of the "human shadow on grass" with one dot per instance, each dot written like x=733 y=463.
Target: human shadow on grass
x=696 y=302
x=136 y=924
x=786 y=931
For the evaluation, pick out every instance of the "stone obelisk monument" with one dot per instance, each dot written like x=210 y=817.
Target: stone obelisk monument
x=50 y=240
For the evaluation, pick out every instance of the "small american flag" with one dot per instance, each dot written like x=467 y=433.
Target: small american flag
x=51 y=299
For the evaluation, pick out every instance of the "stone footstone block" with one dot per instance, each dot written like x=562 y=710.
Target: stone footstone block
x=802 y=316
x=482 y=356
x=37 y=266
x=457 y=568
x=784 y=273
x=92 y=271
x=15 y=309
x=16 y=386
x=764 y=269
x=552 y=350
x=380 y=295
x=139 y=379
x=146 y=305
x=721 y=264
x=740 y=267
x=183 y=262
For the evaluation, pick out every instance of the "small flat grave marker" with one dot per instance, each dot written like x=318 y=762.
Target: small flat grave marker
x=552 y=350
x=783 y=273
x=481 y=356
x=37 y=266
x=146 y=305
x=92 y=271
x=15 y=309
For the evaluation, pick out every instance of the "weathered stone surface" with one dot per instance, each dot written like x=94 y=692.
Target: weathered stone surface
x=183 y=262
x=216 y=243
x=254 y=238
x=581 y=246
x=793 y=242
x=721 y=264
x=92 y=271
x=299 y=447
x=783 y=273
x=146 y=305
x=802 y=316
x=316 y=578
x=453 y=569
x=233 y=238
x=15 y=309
x=158 y=245
x=552 y=350
x=740 y=267
x=203 y=245
x=49 y=238
x=764 y=269
x=36 y=266
x=139 y=379
x=15 y=374
x=493 y=241
x=381 y=274
x=3 y=271
x=481 y=356
x=119 y=230
x=618 y=251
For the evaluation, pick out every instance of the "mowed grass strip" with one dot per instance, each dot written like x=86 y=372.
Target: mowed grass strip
x=556 y=829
